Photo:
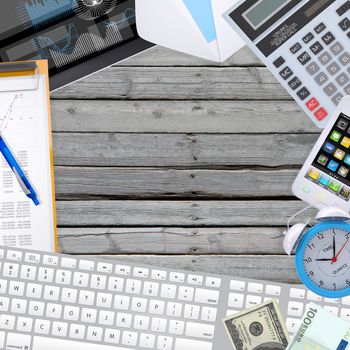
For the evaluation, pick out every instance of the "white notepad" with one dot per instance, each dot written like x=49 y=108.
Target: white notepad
x=25 y=124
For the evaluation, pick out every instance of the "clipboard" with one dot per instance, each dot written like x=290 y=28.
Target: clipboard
x=25 y=117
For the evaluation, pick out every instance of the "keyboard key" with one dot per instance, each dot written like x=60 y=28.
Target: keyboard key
x=255 y=287
x=293 y=324
x=141 y=272
x=16 y=288
x=273 y=290
x=312 y=68
x=344 y=58
x=71 y=313
x=104 y=300
x=158 y=324
x=321 y=78
x=28 y=272
x=308 y=37
x=36 y=308
x=10 y=270
x=330 y=89
x=333 y=68
x=304 y=58
x=104 y=267
x=332 y=309
x=150 y=288
x=32 y=258
x=88 y=315
x=69 y=263
x=86 y=297
x=94 y=333
x=86 y=265
x=159 y=275
x=98 y=282
x=213 y=282
x=7 y=322
x=121 y=302
x=346 y=300
x=344 y=24
x=252 y=300
x=176 y=327
x=328 y=38
x=313 y=297
x=50 y=260
x=236 y=300
x=129 y=338
x=18 y=341
x=177 y=277
x=195 y=279
x=106 y=318
x=278 y=62
x=186 y=293
x=206 y=296
x=54 y=310
x=191 y=312
x=237 y=285
x=63 y=277
x=321 y=114
x=185 y=344
x=164 y=343
x=14 y=255
x=123 y=270
x=325 y=58
x=303 y=93
x=24 y=324
x=174 y=309
x=77 y=331
x=69 y=295
x=295 y=48
x=208 y=314
x=141 y=322
x=45 y=275
x=342 y=79
x=321 y=27
x=295 y=309
x=294 y=83
x=138 y=304
x=337 y=48
x=345 y=314
x=199 y=330
x=115 y=284
x=123 y=320
x=4 y=304
x=168 y=291
x=59 y=329
x=286 y=73
x=34 y=290
x=297 y=293
x=147 y=341
x=316 y=48
x=18 y=306
x=81 y=279
x=156 y=307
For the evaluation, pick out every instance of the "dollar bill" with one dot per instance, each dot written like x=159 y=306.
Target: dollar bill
x=260 y=328
x=321 y=330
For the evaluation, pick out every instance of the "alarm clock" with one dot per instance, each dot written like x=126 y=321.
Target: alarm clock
x=322 y=252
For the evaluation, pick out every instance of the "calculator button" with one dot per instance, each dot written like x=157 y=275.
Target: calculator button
x=321 y=27
x=295 y=48
x=328 y=38
x=286 y=73
x=330 y=89
x=342 y=79
x=325 y=58
x=312 y=68
x=294 y=83
x=321 y=78
x=337 y=98
x=344 y=59
x=348 y=35
x=321 y=114
x=344 y=24
x=304 y=58
x=303 y=93
x=342 y=9
x=333 y=68
x=278 y=63
x=308 y=37
x=347 y=89
x=312 y=104
x=337 y=48
x=316 y=48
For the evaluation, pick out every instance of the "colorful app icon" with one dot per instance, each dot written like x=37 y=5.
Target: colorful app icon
x=339 y=154
x=345 y=142
x=322 y=159
x=347 y=159
x=344 y=192
x=313 y=174
x=335 y=136
x=329 y=148
x=342 y=124
x=334 y=186
x=343 y=171
x=333 y=165
x=324 y=180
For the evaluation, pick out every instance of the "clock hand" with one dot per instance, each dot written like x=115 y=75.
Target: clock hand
x=334 y=246
x=335 y=259
x=324 y=259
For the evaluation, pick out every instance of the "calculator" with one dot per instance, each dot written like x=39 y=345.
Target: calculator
x=305 y=44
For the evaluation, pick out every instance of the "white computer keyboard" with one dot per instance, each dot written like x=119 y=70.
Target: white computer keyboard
x=55 y=302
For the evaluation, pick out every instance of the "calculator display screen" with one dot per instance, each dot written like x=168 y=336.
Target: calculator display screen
x=262 y=11
x=331 y=166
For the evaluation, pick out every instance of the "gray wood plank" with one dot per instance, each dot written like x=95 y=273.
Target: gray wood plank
x=160 y=56
x=180 y=117
x=75 y=182
x=177 y=83
x=212 y=213
x=172 y=240
x=192 y=150
x=270 y=268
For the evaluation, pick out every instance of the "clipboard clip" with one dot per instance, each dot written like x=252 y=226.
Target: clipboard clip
x=10 y=72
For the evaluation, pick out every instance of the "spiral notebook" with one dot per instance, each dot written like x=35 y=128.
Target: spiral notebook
x=25 y=124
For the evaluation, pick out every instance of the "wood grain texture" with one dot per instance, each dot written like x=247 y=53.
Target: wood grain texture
x=183 y=150
x=215 y=117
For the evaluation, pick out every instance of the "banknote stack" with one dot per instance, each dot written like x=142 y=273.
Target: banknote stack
x=321 y=330
x=261 y=327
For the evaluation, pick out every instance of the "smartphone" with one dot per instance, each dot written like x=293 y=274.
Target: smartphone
x=324 y=179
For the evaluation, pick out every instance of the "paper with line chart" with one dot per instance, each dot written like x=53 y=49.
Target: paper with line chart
x=25 y=127
x=65 y=32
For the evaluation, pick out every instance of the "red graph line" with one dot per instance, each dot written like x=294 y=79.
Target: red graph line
x=7 y=116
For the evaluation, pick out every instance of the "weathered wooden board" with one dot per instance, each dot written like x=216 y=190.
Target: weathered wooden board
x=172 y=240
x=215 y=213
x=190 y=150
x=82 y=182
x=177 y=83
x=271 y=268
x=180 y=117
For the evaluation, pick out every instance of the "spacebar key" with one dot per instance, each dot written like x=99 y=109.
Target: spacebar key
x=188 y=344
x=41 y=343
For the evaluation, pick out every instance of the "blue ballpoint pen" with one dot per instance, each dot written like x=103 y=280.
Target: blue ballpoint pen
x=15 y=167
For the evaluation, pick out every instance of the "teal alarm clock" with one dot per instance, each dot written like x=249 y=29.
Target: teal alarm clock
x=322 y=253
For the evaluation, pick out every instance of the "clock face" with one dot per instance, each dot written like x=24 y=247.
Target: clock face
x=326 y=258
